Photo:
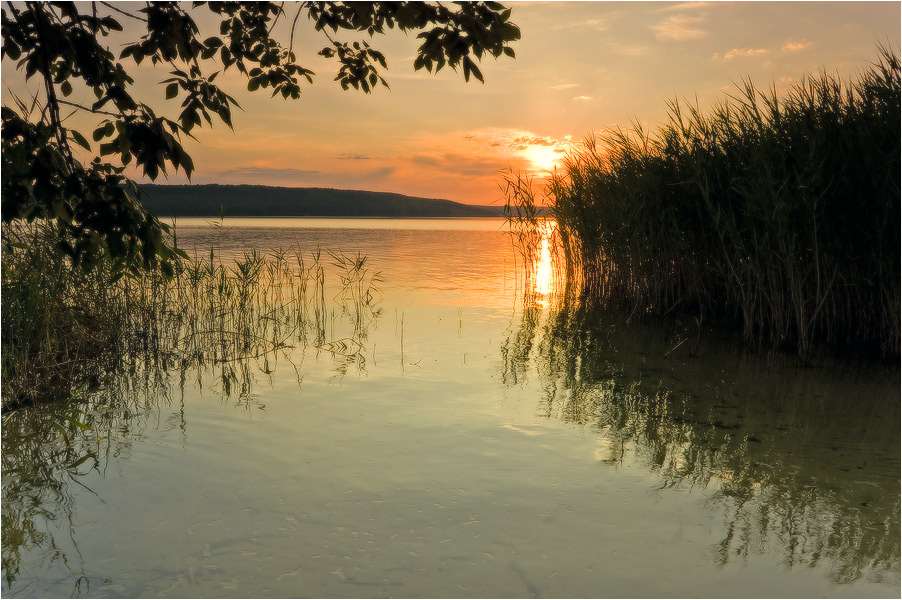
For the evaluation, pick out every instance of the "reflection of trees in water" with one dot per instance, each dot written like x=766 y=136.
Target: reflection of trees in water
x=802 y=460
x=50 y=453
x=45 y=456
x=48 y=457
x=32 y=488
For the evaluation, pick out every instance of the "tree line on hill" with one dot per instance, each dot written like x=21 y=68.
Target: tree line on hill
x=215 y=200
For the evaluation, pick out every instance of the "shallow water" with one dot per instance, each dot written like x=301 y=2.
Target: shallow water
x=473 y=445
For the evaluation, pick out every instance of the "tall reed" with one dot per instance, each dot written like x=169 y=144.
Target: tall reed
x=778 y=210
x=64 y=327
x=533 y=234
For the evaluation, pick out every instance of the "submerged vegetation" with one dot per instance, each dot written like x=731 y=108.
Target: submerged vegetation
x=67 y=329
x=775 y=211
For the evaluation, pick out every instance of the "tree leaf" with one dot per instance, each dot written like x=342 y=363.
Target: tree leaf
x=79 y=139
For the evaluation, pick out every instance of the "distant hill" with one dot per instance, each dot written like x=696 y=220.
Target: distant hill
x=267 y=201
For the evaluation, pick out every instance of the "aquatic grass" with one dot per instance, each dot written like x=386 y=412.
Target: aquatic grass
x=55 y=327
x=775 y=210
x=64 y=327
x=359 y=295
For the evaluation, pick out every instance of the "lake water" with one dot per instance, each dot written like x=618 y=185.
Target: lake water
x=469 y=440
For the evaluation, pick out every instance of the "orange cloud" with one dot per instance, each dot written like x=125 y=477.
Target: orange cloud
x=743 y=52
x=792 y=46
x=680 y=28
x=595 y=24
x=683 y=6
x=629 y=49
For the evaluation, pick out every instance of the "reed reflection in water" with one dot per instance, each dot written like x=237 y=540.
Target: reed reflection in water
x=801 y=463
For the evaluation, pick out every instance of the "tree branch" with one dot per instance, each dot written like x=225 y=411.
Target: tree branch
x=91 y=110
x=278 y=16
x=294 y=23
x=122 y=12
x=52 y=100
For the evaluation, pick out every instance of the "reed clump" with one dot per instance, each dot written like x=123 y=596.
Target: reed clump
x=776 y=211
x=65 y=328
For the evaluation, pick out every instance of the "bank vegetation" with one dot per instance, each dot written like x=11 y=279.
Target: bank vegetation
x=775 y=212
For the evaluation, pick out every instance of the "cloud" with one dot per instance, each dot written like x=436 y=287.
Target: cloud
x=535 y=141
x=347 y=156
x=792 y=46
x=680 y=28
x=683 y=6
x=583 y=98
x=590 y=24
x=629 y=49
x=564 y=86
x=461 y=164
x=517 y=148
x=465 y=160
x=743 y=52
x=270 y=172
x=288 y=176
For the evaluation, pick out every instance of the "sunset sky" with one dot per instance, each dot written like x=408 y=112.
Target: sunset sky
x=580 y=67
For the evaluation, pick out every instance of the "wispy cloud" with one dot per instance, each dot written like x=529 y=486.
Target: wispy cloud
x=563 y=86
x=791 y=46
x=629 y=49
x=682 y=6
x=749 y=52
x=459 y=163
x=254 y=172
x=347 y=156
x=519 y=148
x=535 y=141
x=730 y=54
x=583 y=98
x=680 y=28
x=594 y=24
x=300 y=177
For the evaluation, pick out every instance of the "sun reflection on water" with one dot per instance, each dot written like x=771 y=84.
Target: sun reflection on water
x=543 y=266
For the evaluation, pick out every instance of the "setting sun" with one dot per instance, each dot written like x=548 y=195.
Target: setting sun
x=543 y=158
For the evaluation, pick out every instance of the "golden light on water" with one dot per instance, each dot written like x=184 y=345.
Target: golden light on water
x=543 y=268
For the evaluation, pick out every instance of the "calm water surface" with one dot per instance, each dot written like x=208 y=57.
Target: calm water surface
x=472 y=444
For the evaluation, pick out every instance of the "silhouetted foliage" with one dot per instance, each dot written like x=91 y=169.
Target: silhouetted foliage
x=93 y=204
x=774 y=213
